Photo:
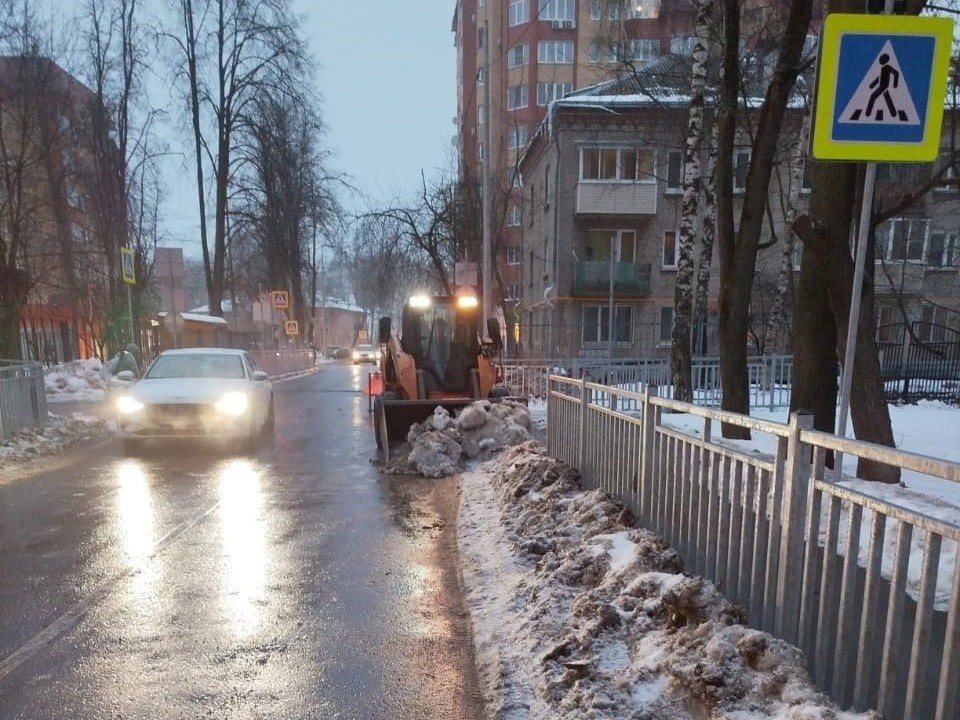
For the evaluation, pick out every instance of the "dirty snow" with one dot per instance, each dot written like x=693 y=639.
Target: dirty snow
x=77 y=380
x=579 y=614
x=59 y=433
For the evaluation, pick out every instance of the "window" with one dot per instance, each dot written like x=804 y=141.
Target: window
x=481 y=3
x=942 y=249
x=682 y=44
x=514 y=217
x=901 y=239
x=517 y=56
x=666 y=326
x=624 y=164
x=640 y=50
x=596 y=323
x=556 y=9
x=546 y=187
x=643 y=9
x=547 y=92
x=74 y=197
x=481 y=36
x=674 y=171
x=598 y=244
x=884 y=321
x=613 y=9
x=596 y=9
x=530 y=270
x=514 y=257
x=514 y=291
x=480 y=114
x=481 y=76
x=519 y=13
x=740 y=166
x=933 y=324
x=555 y=52
x=517 y=137
x=671 y=251
x=807 y=182
x=516 y=97
x=593 y=52
x=480 y=154
x=948 y=174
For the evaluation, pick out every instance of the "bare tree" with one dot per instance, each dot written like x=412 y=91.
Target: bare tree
x=738 y=244
x=232 y=52
x=692 y=182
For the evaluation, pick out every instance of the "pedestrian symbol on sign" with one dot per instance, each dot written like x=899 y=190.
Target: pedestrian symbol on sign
x=882 y=95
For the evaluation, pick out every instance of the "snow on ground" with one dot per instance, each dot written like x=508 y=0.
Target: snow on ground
x=576 y=613
x=60 y=432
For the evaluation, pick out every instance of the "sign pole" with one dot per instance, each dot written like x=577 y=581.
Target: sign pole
x=853 y=320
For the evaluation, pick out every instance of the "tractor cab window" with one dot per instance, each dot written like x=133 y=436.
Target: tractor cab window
x=444 y=343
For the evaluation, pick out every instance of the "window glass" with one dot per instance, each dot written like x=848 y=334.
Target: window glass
x=670 y=248
x=555 y=52
x=628 y=164
x=593 y=52
x=590 y=163
x=519 y=12
x=741 y=165
x=608 y=164
x=591 y=323
x=644 y=164
x=628 y=243
x=666 y=325
x=675 y=170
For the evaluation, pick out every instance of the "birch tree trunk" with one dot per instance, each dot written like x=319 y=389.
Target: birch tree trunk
x=692 y=182
x=708 y=232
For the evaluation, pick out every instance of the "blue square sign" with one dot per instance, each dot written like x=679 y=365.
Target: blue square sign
x=881 y=87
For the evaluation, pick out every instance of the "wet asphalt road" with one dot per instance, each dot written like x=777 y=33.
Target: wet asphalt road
x=297 y=583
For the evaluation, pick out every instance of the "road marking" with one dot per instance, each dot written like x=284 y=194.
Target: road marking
x=75 y=612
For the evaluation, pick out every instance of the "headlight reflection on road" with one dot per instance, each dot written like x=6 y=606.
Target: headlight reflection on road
x=244 y=545
x=135 y=524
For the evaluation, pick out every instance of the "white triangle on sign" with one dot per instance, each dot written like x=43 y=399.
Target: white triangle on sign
x=882 y=97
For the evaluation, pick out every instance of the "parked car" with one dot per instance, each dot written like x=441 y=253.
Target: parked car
x=365 y=353
x=197 y=393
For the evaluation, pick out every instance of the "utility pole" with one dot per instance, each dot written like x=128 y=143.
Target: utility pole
x=487 y=249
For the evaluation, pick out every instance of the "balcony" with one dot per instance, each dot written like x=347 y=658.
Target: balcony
x=616 y=198
x=592 y=279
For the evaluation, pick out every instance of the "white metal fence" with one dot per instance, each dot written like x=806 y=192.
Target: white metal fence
x=23 y=400
x=807 y=559
x=769 y=377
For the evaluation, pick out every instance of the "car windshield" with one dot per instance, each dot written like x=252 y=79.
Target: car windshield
x=364 y=348
x=199 y=365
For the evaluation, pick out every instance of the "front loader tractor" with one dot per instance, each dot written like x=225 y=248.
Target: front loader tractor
x=440 y=358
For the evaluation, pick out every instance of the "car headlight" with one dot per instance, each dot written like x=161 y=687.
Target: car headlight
x=127 y=405
x=356 y=355
x=233 y=403
x=378 y=355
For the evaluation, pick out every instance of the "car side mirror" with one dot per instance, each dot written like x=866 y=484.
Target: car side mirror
x=260 y=376
x=126 y=376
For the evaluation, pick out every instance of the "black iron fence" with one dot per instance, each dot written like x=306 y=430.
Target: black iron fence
x=920 y=362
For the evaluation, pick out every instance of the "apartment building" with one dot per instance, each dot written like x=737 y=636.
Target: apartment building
x=539 y=51
x=57 y=207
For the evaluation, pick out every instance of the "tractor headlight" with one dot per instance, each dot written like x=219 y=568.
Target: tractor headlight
x=127 y=405
x=356 y=355
x=420 y=302
x=233 y=404
x=467 y=301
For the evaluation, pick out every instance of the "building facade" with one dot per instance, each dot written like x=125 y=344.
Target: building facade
x=539 y=51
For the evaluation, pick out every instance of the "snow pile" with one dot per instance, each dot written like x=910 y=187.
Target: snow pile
x=76 y=380
x=562 y=576
x=439 y=445
x=59 y=433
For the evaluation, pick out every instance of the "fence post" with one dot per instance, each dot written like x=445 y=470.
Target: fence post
x=584 y=403
x=796 y=480
x=648 y=437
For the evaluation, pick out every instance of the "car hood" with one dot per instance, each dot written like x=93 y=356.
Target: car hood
x=186 y=390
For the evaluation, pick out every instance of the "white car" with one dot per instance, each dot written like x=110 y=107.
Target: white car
x=202 y=393
x=365 y=353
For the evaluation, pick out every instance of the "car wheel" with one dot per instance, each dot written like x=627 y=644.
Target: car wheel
x=132 y=447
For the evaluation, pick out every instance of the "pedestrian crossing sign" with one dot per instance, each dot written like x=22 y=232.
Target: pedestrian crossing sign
x=881 y=87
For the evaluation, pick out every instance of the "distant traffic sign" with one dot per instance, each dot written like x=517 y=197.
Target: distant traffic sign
x=291 y=327
x=281 y=300
x=881 y=87
x=127 y=268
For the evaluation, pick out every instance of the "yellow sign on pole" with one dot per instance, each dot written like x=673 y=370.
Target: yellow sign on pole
x=881 y=87
x=127 y=268
x=291 y=327
x=281 y=300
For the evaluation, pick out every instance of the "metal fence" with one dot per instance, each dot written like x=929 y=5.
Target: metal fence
x=806 y=558
x=279 y=362
x=769 y=377
x=920 y=363
x=23 y=400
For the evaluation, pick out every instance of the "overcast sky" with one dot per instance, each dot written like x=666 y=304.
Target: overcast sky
x=386 y=72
